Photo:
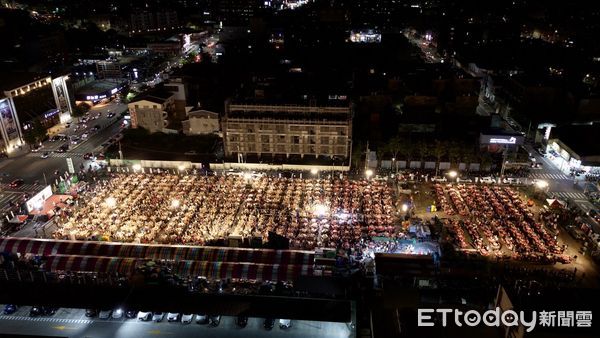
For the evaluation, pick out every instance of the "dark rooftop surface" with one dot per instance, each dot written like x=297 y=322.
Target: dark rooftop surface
x=582 y=139
x=12 y=80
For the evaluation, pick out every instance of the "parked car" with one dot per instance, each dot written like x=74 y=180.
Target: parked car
x=110 y=115
x=9 y=309
x=42 y=311
x=541 y=151
x=285 y=324
x=36 y=148
x=241 y=321
x=215 y=320
x=104 y=314
x=91 y=313
x=45 y=155
x=438 y=179
x=117 y=313
x=144 y=316
x=131 y=314
x=187 y=318
x=510 y=180
x=172 y=317
x=487 y=180
x=201 y=319
x=464 y=180
x=158 y=316
x=16 y=183
x=269 y=323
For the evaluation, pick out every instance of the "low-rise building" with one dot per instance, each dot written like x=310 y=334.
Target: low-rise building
x=151 y=110
x=201 y=122
x=287 y=130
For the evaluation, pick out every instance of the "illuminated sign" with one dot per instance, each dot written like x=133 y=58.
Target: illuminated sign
x=37 y=201
x=501 y=139
x=113 y=91
x=51 y=113
x=512 y=140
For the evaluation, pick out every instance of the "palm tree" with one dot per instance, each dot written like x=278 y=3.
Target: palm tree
x=454 y=152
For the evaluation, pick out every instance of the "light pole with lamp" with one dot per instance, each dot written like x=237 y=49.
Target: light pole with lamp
x=453 y=175
x=369 y=173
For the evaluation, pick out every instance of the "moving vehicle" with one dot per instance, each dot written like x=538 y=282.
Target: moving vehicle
x=144 y=316
x=9 y=309
x=158 y=316
x=241 y=321
x=215 y=321
x=91 y=313
x=201 y=319
x=16 y=183
x=110 y=115
x=45 y=155
x=172 y=317
x=285 y=324
x=187 y=318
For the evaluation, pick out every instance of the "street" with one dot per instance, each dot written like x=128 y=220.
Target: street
x=37 y=171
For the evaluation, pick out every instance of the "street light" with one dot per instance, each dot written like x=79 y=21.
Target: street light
x=404 y=207
x=369 y=173
x=452 y=174
x=136 y=167
x=541 y=184
x=110 y=202
x=320 y=210
x=181 y=167
x=314 y=171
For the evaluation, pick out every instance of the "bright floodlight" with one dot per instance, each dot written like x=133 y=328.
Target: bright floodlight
x=111 y=202
x=247 y=176
x=181 y=167
x=452 y=174
x=320 y=210
x=175 y=203
x=404 y=207
x=136 y=166
x=541 y=184
x=314 y=171
x=369 y=173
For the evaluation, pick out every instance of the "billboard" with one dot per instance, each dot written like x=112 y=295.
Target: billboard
x=37 y=201
x=501 y=139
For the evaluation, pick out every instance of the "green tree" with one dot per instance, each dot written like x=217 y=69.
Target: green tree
x=454 y=152
x=39 y=130
x=81 y=109
x=29 y=138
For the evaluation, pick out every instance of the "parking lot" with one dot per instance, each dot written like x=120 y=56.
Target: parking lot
x=67 y=322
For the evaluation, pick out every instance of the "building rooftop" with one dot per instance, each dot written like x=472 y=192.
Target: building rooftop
x=157 y=95
x=98 y=86
x=582 y=139
x=12 y=80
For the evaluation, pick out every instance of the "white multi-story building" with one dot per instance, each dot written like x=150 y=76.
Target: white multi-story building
x=151 y=111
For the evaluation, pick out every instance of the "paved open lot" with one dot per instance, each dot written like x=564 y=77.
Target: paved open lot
x=73 y=323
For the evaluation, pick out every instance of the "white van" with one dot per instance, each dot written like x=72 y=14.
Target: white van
x=285 y=324
x=487 y=180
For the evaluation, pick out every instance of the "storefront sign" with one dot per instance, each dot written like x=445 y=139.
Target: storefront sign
x=512 y=140
x=501 y=139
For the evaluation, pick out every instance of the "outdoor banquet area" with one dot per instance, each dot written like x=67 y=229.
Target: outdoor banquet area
x=196 y=210
x=495 y=221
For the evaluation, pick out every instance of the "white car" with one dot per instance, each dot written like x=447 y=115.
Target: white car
x=285 y=324
x=172 y=317
x=202 y=319
x=144 y=316
x=487 y=180
x=187 y=318
x=118 y=313
x=438 y=179
x=464 y=180
x=510 y=180
x=84 y=135
x=158 y=316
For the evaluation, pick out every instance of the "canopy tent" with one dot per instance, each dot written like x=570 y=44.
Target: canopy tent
x=90 y=264
x=555 y=203
x=47 y=247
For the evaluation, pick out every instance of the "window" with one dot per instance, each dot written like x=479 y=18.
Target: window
x=296 y=139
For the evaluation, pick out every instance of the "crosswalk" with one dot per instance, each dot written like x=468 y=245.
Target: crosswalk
x=53 y=154
x=549 y=176
x=572 y=195
x=47 y=319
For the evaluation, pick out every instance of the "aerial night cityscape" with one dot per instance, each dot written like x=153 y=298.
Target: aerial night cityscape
x=300 y=168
